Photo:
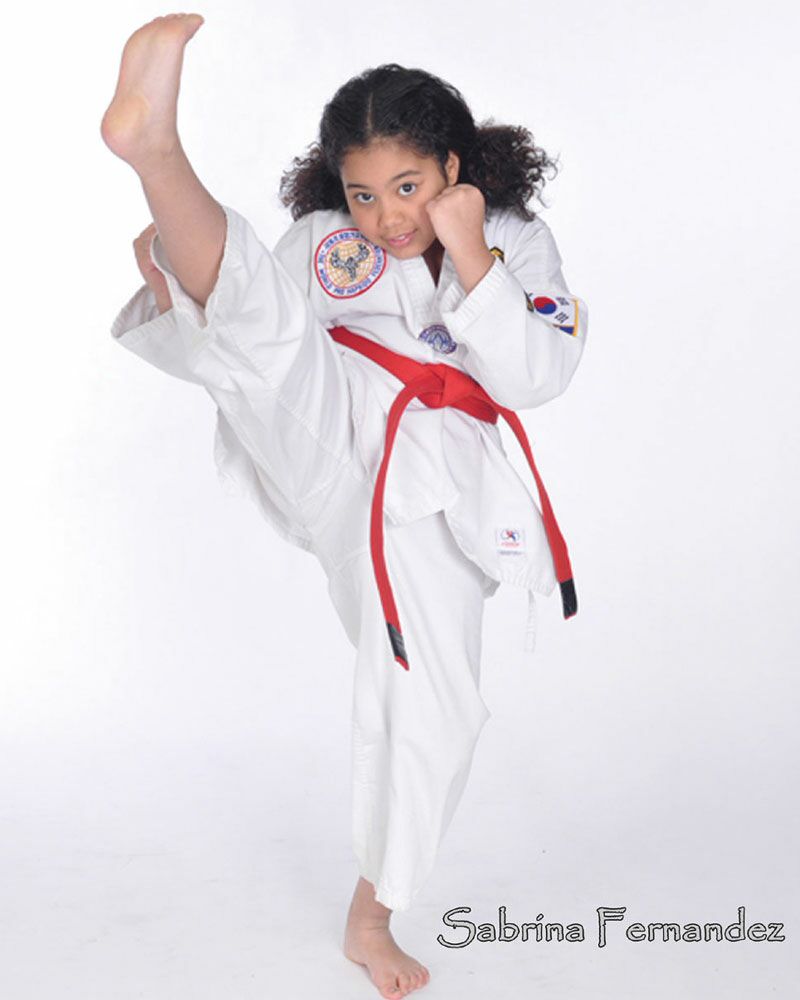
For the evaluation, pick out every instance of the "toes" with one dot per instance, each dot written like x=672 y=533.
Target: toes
x=405 y=982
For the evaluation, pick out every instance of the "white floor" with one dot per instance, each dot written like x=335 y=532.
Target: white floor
x=150 y=871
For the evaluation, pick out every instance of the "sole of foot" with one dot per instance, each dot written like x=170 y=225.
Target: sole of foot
x=140 y=123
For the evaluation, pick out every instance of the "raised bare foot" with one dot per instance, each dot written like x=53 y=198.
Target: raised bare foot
x=140 y=124
x=369 y=942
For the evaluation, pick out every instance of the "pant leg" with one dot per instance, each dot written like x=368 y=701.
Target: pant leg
x=261 y=352
x=414 y=732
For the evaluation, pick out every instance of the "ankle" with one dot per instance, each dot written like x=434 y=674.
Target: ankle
x=367 y=915
x=366 y=918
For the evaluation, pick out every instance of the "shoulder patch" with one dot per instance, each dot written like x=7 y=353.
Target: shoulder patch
x=498 y=253
x=347 y=264
x=560 y=311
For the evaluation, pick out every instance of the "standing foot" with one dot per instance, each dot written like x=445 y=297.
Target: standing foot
x=369 y=942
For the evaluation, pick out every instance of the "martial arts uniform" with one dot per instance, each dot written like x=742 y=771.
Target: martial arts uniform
x=301 y=425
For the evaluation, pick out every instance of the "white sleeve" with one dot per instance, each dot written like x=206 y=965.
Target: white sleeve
x=159 y=339
x=523 y=329
x=252 y=326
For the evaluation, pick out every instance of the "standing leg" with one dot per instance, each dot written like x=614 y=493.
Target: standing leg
x=414 y=732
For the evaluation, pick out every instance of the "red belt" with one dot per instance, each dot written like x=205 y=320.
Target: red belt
x=438 y=385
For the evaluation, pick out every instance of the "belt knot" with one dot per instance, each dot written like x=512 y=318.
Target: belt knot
x=453 y=386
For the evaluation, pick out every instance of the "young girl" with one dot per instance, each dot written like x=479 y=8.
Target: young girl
x=413 y=300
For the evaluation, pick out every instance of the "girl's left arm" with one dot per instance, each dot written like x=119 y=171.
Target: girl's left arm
x=523 y=329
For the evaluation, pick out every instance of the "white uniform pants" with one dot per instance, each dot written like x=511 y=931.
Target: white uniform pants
x=414 y=732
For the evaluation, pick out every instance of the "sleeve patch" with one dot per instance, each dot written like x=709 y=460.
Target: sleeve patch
x=560 y=311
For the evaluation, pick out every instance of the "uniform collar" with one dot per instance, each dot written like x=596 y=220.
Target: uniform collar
x=417 y=273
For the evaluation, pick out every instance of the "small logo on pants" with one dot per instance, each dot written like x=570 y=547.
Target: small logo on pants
x=510 y=540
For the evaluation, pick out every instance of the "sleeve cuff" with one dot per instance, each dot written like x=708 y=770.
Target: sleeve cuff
x=478 y=302
x=140 y=309
x=140 y=319
x=159 y=338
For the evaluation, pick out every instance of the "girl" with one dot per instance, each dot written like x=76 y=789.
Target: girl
x=414 y=298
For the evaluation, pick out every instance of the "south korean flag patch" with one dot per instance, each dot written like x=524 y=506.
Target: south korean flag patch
x=559 y=310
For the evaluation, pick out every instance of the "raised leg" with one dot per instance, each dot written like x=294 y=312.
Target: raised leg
x=140 y=126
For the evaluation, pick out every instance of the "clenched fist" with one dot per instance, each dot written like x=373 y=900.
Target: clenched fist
x=151 y=274
x=457 y=215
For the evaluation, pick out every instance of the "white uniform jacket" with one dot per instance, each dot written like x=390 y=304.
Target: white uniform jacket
x=520 y=333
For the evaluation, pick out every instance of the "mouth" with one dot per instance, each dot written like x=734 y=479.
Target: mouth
x=400 y=241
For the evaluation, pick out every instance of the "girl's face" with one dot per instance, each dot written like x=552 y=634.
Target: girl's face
x=387 y=186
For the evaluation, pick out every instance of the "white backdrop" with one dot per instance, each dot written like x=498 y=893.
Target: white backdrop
x=175 y=684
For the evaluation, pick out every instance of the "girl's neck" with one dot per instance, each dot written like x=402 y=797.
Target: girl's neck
x=433 y=258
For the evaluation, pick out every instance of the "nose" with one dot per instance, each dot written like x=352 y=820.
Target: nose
x=391 y=217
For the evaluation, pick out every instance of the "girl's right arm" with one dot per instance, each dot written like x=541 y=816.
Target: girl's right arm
x=260 y=351
x=253 y=325
x=151 y=274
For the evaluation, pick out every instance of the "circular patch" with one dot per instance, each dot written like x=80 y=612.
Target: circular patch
x=544 y=305
x=439 y=338
x=347 y=264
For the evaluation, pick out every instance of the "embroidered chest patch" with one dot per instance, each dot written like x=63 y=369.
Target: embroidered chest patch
x=439 y=338
x=347 y=264
x=559 y=310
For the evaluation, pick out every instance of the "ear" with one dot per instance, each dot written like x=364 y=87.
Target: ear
x=451 y=167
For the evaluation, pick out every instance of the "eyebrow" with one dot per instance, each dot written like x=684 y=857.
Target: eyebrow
x=406 y=173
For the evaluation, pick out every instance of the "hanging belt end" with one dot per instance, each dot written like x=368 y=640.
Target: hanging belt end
x=398 y=645
x=569 y=599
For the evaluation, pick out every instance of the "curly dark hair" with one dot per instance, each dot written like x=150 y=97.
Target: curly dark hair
x=431 y=117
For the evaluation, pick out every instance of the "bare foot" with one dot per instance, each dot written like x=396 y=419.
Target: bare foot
x=140 y=124
x=369 y=942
